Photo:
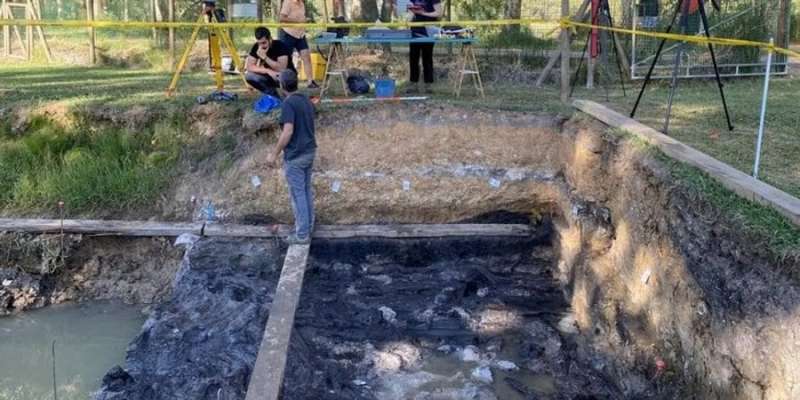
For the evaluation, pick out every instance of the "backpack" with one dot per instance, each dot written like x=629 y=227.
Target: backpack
x=340 y=32
x=357 y=85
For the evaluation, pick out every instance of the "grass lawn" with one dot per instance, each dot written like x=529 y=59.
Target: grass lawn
x=699 y=121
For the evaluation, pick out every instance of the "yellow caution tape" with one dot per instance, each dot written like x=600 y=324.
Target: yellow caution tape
x=563 y=23
x=148 y=25
x=685 y=38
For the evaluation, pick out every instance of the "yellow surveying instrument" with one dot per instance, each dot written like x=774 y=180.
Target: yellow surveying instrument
x=210 y=14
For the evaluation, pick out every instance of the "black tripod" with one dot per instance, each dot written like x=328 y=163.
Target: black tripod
x=683 y=7
x=603 y=11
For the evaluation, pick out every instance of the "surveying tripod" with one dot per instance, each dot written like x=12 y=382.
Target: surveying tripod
x=215 y=35
x=601 y=14
x=684 y=8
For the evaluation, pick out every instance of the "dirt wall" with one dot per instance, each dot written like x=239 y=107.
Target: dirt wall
x=667 y=283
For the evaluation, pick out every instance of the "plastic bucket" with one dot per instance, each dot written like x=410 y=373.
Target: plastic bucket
x=384 y=88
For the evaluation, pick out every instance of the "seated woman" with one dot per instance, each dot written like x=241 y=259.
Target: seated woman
x=267 y=59
x=424 y=11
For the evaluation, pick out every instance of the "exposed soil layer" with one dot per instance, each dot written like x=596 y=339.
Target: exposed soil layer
x=663 y=281
x=38 y=270
x=372 y=315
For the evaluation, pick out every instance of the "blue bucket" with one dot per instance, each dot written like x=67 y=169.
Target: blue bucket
x=384 y=88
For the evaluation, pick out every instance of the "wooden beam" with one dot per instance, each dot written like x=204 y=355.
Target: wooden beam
x=408 y=231
x=102 y=227
x=267 y=377
x=92 y=36
x=739 y=182
x=151 y=228
x=564 y=53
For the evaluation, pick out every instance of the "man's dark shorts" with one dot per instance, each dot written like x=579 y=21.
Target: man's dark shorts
x=292 y=42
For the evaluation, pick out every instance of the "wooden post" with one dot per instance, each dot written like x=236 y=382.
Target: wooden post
x=171 y=16
x=29 y=31
x=590 y=64
x=92 y=37
x=564 y=53
x=6 y=31
x=229 y=6
x=153 y=18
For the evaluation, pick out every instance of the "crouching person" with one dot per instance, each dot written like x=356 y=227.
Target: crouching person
x=267 y=59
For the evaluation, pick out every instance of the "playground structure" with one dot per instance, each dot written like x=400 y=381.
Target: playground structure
x=31 y=10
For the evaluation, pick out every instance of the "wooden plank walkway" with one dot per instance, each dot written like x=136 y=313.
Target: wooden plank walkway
x=102 y=227
x=148 y=228
x=267 y=377
x=739 y=182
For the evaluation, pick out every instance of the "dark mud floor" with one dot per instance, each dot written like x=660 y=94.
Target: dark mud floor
x=378 y=319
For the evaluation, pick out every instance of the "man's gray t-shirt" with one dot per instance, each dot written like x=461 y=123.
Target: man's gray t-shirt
x=297 y=109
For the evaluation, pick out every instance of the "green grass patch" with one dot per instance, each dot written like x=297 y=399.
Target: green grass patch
x=87 y=168
x=698 y=121
x=780 y=235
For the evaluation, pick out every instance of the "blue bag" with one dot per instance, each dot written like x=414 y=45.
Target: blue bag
x=266 y=104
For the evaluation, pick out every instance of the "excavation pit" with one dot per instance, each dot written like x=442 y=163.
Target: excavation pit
x=634 y=284
x=466 y=318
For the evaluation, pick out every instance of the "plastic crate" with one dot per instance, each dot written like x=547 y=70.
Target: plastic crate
x=384 y=88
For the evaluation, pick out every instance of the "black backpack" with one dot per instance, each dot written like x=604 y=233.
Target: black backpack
x=357 y=84
x=340 y=32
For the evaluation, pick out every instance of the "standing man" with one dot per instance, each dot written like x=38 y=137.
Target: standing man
x=299 y=148
x=424 y=11
x=267 y=59
x=294 y=11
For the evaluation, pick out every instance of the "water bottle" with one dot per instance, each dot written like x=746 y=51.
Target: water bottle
x=209 y=213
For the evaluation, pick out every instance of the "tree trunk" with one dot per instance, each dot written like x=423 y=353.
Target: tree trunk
x=276 y=9
x=338 y=9
x=99 y=9
x=59 y=8
x=260 y=10
x=387 y=7
x=171 y=41
x=782 y=34
x=229 y=6
x=512 y=10
x=125 y=14
x=364 y=10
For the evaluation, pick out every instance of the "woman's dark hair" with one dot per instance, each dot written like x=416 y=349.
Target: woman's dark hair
x=262 y=32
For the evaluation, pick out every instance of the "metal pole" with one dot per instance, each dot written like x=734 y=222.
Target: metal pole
x=565 y=56
x=763 y=110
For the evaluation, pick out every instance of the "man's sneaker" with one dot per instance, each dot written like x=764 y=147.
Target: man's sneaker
x=313 y=85
x=413 y=88
x=428 y=88
x=294 y=240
